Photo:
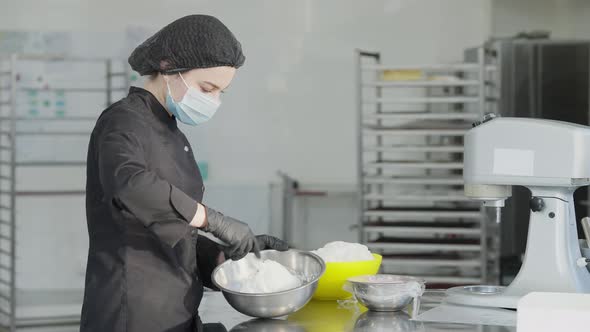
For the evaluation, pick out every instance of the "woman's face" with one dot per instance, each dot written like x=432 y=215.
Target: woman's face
x=211 y=81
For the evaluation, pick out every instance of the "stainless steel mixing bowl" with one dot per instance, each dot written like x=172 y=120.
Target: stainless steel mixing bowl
x=393 y=295
x=372 y=321
x=268 y=325
x=272 y=305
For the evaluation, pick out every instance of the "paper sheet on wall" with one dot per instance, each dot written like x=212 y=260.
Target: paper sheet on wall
x=29 y=42
x=447 y=313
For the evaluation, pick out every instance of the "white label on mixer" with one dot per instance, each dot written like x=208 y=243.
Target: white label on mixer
x=514 y=162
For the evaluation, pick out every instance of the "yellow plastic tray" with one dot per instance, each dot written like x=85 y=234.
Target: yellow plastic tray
x=402 y=75
x=330 y=284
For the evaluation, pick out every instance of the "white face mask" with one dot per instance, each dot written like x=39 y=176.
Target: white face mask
x=194 y=108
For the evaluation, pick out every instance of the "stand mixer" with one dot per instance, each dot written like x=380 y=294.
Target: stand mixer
x=551 y=159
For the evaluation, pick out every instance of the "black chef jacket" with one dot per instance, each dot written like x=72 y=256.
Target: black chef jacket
x=142 y=189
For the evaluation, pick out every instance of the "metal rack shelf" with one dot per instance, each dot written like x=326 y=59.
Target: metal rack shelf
x=50 y=118
x=421 y=197
x=422 y=221
x=421 y=116
x=382 y=180
x=422 y=215
x=432 y=224
x=425 y=262
x=52 y=193
x=420 y=247
x=415 y=148
x=414 y=165
x=449 y=67
x=14 y=311
x=428 y=100
x=422 y=83
x=413 y=132
x=97 y=90
x=50 y=163
x=396 y=230
x=42 y=133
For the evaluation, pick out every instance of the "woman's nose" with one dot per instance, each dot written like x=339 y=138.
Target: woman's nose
x=216 y=95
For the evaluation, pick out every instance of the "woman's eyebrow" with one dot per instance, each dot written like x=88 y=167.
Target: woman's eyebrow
x=213 y=85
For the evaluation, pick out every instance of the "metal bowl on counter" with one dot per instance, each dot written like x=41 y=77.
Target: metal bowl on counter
x=268 y=325
x=383 y=292
x=278 y=304
x=387 y=321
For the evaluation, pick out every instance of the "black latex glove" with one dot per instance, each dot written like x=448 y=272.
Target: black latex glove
x=235 y=233
x=270 y=242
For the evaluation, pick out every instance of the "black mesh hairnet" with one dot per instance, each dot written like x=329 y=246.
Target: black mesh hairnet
x=194 y=41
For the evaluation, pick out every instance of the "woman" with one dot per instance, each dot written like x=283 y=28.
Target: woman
x=146 y=263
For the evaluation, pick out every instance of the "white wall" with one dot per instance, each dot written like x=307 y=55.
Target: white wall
x=292 y=107
x=581 y=19
x=566 y=19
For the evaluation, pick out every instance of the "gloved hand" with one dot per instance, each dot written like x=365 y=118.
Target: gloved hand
x=271 y=242
x=235 y=233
